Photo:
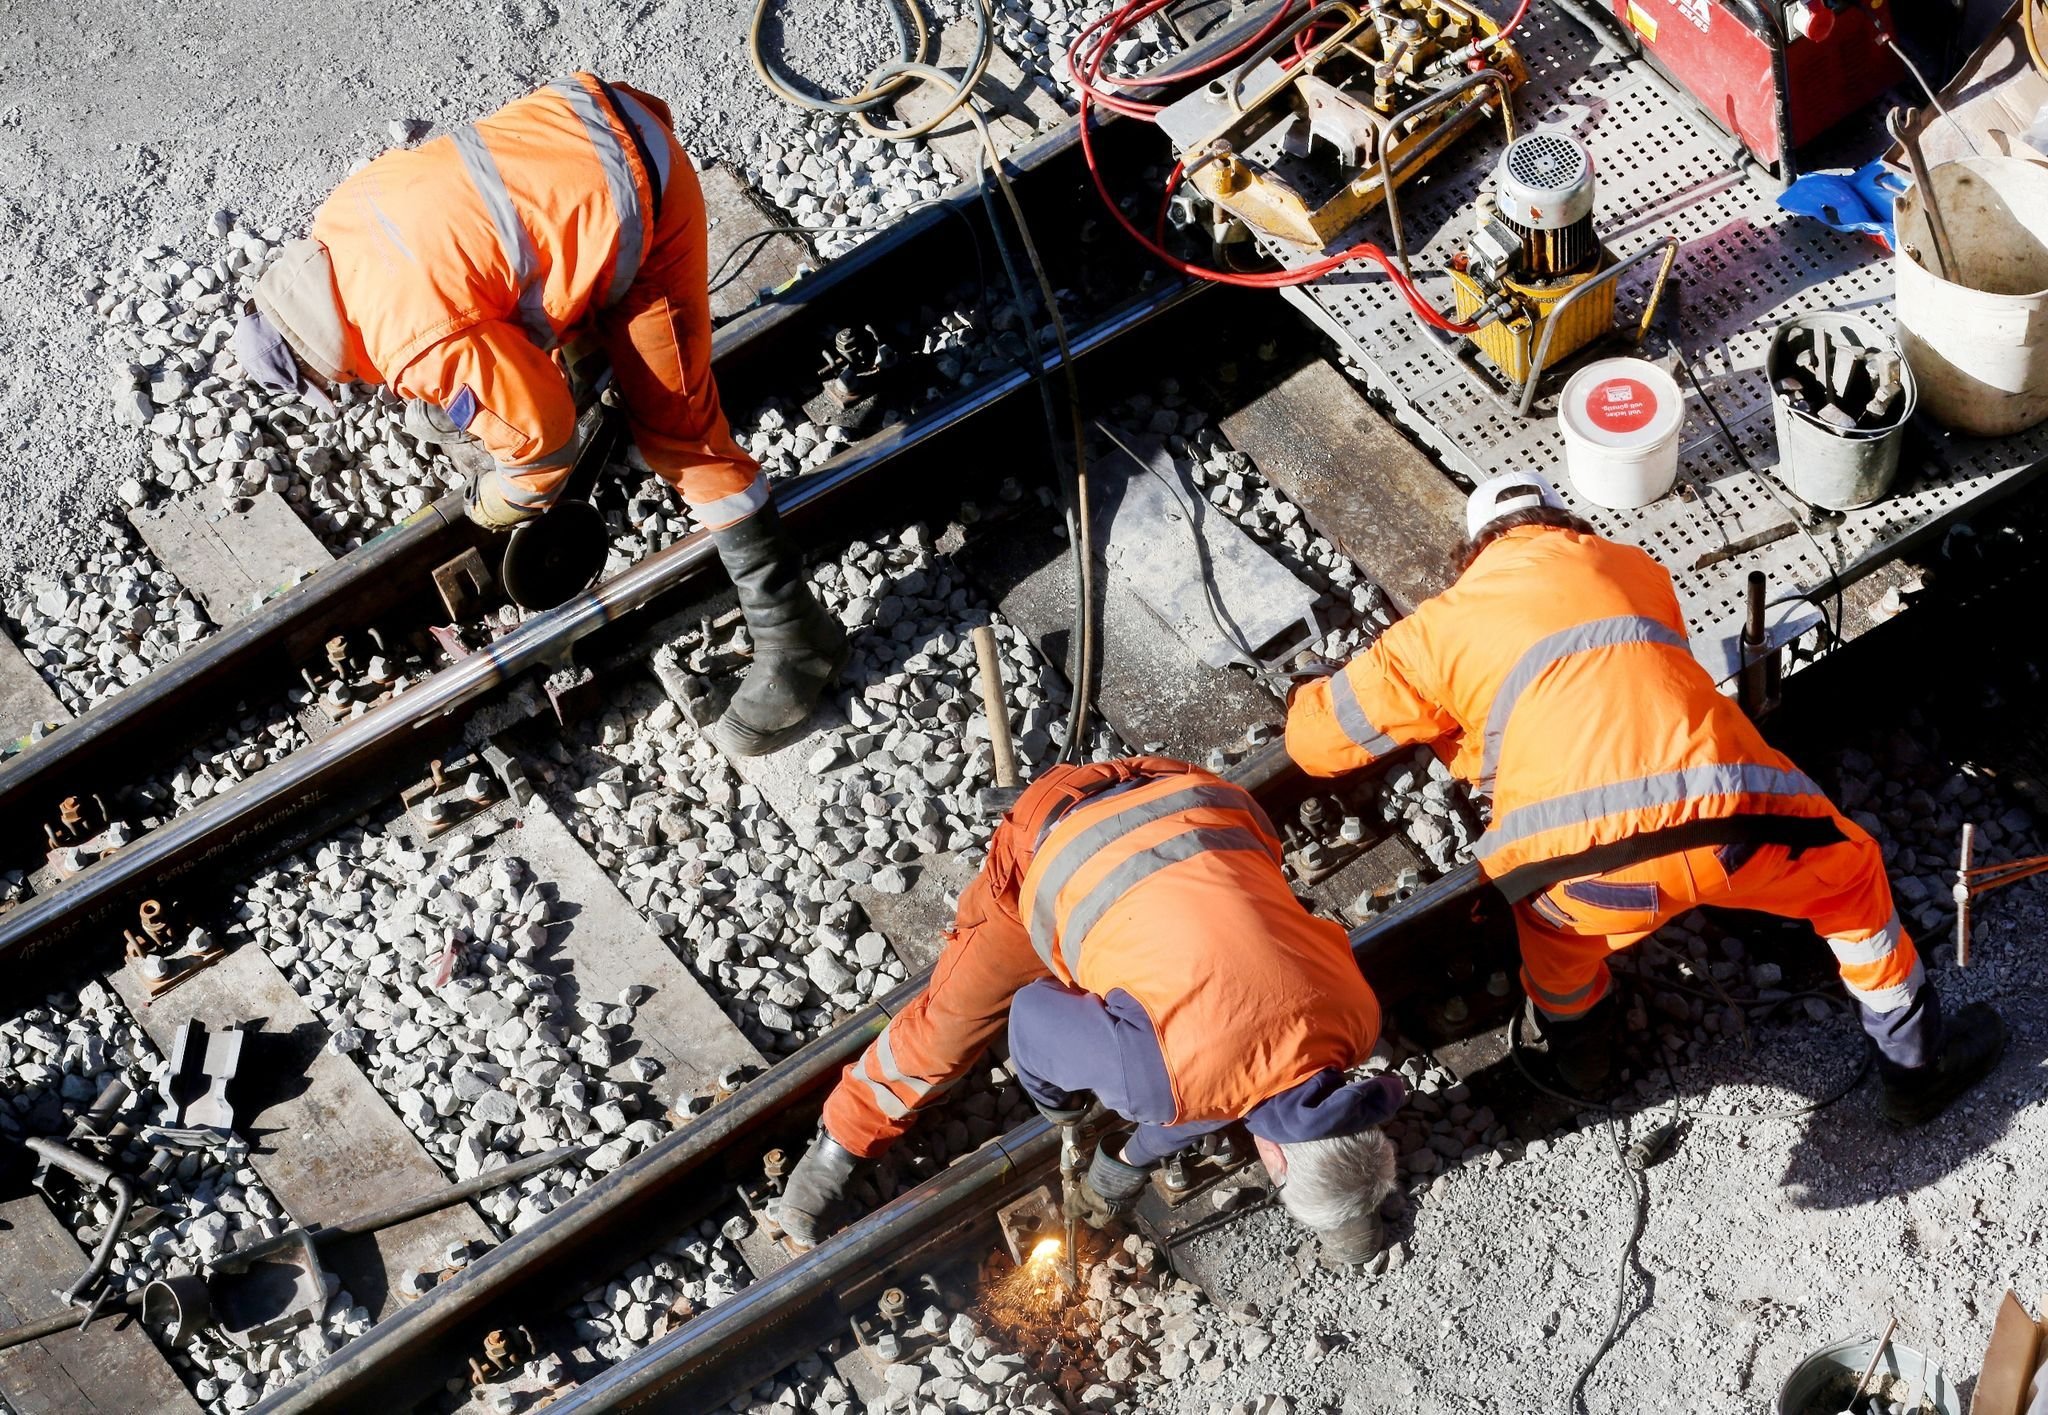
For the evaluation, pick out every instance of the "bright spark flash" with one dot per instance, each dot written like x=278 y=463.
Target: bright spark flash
x=1047 y=1250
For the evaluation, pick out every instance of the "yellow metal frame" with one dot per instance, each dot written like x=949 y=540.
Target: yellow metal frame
x=1511 y=342
x=1402 y=143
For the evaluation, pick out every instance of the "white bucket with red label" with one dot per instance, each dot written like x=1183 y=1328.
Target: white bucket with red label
x=1620 y=419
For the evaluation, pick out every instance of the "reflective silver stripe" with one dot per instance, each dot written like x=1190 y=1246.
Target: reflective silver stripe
x=1890 y=999
x=651 y=132
x=1556 y=1001
x=563 y=456
x=1090 y=909
x=1351 y=717
x=1596 y=634
x=512 y=236
x=1641 y=793
x=884 y=1053
x=390 y=230
x=1852 y=953
x=519 y=494
x=731 y=510
x=618 y=176
x=1068 y=860
x=885 y=1099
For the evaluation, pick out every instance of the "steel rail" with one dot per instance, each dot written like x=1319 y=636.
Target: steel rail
x=91 y=752
x=120 y=739
x=682 y=1175
x=707 y=1361
x=270 y=799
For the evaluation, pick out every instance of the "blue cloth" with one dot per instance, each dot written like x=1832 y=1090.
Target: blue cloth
x=1854 y=203
x=1066 y=1041
x=1909 y=1037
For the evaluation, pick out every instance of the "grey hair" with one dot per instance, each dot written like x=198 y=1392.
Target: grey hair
x=1331 y=1182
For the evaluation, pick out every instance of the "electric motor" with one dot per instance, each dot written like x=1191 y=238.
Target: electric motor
x=1543 y=192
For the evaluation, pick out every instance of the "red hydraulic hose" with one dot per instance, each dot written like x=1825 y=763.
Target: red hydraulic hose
x=1084 y=64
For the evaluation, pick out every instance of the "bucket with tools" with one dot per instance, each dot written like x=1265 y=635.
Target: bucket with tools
x=1868 y=1376
x=1841 y=394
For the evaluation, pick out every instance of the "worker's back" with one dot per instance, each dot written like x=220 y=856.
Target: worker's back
x=1555 y=676
x=1170 y=888
x=536 y=214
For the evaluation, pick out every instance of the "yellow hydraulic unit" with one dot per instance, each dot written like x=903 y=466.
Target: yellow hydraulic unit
x=1377 y=92
x=1534 y=275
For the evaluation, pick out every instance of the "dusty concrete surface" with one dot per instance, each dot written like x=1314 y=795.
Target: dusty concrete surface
x=121 y=126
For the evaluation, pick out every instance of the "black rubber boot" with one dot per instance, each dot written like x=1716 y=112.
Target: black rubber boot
x=1970 y=1044
x=798 y=647
x=814 y=1196
x=1581 y=1048
x=1111 y=1188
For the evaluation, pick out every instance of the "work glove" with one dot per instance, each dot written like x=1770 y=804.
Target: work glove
x=1109 y=1190
x=485 y=504
x=815 y=1191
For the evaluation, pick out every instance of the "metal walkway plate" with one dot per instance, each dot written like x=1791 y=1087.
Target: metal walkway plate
x=1745 y=266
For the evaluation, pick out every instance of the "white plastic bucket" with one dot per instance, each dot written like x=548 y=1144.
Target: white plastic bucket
x=1978 y=343
x=1620 y=419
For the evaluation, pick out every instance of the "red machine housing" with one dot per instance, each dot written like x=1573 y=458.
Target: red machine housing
x=1747 y=63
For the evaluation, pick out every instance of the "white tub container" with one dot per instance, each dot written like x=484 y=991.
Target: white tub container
x=1978 y=343
x=1620 y=419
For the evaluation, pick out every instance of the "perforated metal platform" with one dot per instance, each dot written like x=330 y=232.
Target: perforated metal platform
x=1744 y=267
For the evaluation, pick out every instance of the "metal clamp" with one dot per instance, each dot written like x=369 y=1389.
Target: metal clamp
x=123 y=1190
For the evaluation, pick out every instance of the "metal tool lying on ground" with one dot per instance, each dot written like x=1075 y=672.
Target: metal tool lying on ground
x=256 y=1292
x=1535 y=276
x=1300 y=147
x=86 y=1293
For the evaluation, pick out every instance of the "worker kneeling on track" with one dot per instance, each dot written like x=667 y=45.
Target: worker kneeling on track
x=456 y=272
x=1626 y=788
x=1133 y=924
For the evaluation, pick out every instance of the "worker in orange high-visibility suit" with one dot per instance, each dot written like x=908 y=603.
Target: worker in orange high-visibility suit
x=454 y=272
x=1554 y=676
x=1133 y=925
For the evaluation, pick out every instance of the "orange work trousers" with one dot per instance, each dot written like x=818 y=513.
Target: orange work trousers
x=658 y=340
x=1568 y=930
x=936 y=1039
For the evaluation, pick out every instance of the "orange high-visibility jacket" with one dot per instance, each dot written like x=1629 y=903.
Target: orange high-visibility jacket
x=1169 y=887
x=1555 y=675
x=462 y=262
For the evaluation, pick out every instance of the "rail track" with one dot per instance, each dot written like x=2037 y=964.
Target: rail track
x=70 y=928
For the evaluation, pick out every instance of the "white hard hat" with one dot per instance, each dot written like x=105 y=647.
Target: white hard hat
x=1503 y=496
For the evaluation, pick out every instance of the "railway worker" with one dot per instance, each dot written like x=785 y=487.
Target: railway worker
x=1133 y=925
x=1554 y=676
x=455 y=272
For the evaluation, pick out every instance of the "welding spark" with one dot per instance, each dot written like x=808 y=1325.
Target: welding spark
x=1047 y=1250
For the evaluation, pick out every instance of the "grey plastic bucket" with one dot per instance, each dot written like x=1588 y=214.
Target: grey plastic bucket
x=1825 y=465
x=1803 y=1387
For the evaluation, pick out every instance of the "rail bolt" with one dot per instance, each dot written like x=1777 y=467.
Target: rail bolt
x=889 y=1346
x=893 y=1304
x=775 y=1164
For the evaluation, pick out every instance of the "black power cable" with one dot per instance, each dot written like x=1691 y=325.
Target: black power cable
x=1633 y=1160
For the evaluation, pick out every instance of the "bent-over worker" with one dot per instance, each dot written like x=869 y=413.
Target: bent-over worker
x=1133 y=924
x=453 y=272
x=1554 y=676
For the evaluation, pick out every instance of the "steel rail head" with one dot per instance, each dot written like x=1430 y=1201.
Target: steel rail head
x=702 y=1364
x=226 y=822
